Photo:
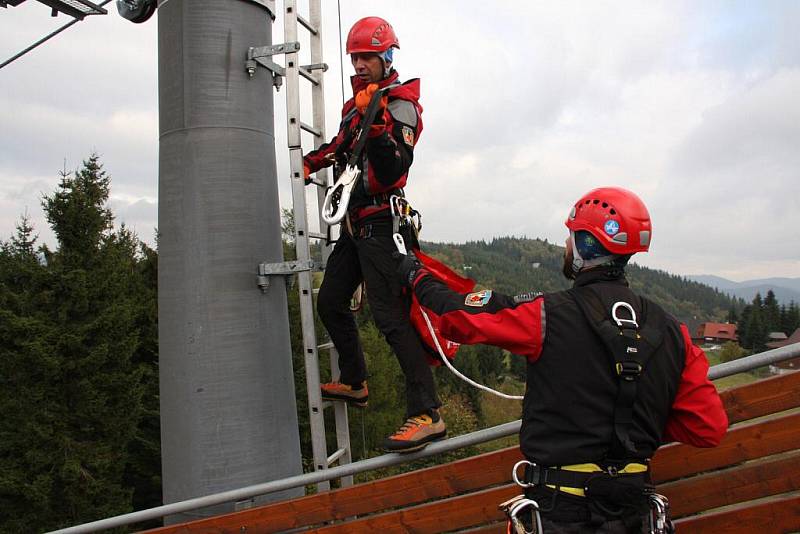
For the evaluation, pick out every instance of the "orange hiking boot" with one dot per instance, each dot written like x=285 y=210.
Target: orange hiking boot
x=336 y=391
x=416 y=433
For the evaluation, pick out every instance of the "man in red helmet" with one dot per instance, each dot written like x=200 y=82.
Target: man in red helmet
x=364 y=249
x=610 y=375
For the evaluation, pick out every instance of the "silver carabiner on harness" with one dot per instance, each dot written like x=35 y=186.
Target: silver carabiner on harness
x=516 y=478
x=338 y=197
x=619 y=321
x=514 y=508
x=659 y=514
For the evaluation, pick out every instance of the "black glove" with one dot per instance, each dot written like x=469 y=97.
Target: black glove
x=407 y=268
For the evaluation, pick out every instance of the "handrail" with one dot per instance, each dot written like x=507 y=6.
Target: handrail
x=481 y=436
x=754 y=361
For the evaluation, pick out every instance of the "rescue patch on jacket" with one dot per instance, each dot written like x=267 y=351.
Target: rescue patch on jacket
x=479 y=298
x=408 y=135
x=527 y=297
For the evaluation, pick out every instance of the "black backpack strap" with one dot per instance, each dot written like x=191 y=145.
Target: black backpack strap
x=630 y=344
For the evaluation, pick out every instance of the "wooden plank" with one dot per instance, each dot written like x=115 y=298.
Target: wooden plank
x=747 y=482
x=401 y=490
x=775 y=515
x=746 y=442
x=764 y=397
x=448 y=514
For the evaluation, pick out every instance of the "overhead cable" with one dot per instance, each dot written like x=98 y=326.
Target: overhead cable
x=46 y=38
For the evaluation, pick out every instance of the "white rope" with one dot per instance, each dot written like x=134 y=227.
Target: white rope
x=456 y=371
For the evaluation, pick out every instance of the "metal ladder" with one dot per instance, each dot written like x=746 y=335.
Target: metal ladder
x=304 y=264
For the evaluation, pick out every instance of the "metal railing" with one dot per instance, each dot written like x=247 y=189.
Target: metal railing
x=474 y=438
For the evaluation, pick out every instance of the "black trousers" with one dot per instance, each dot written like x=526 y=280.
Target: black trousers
x=369 y=258
x=570 y=514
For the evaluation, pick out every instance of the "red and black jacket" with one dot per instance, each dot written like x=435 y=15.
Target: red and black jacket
x=389 y=150
x=568 y=411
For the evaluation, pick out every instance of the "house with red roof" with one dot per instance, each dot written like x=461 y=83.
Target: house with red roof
x=715 y=333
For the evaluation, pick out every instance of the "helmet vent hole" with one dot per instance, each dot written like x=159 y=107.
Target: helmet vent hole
x=587 y=201
x=612 y=211
x=605 y=205
x=595 y=201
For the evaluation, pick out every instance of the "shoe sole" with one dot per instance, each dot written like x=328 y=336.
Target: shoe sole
x=357 y=403
x=418 y=447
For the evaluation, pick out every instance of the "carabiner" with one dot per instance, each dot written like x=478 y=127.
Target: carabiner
x=338 y=197
x=659 y=514
x=516 y=520
x=516 y=478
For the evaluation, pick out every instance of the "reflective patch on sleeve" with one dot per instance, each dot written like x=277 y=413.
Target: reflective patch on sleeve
x=530 y=296
x=408 y=135
x=479 y=298
x=403 y=111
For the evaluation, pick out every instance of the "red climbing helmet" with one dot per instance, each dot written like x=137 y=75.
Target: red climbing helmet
x=371 y=34
x=616 y=217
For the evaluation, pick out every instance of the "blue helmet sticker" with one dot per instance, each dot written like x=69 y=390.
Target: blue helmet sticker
x=611 y=227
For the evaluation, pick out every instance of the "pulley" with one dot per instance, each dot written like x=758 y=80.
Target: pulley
x=137 y=11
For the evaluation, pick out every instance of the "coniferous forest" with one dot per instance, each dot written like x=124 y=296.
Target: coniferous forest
x=79 y=436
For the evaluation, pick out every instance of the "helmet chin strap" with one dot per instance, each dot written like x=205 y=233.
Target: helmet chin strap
x=579 y=264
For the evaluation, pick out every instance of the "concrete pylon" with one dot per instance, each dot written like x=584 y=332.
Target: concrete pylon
x=228 y=414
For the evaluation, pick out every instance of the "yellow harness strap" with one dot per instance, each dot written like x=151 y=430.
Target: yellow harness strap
x=594 y=468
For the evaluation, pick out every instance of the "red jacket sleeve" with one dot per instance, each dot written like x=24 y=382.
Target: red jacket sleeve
x=698 y=417
x=512 y=323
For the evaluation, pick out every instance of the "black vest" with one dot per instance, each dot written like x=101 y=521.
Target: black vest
x=568 y=411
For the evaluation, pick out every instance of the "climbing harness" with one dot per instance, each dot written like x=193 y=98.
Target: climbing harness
x=579 y=477
x=401 y=248
x=337 y=197
x=516 y=523
x=630 y=345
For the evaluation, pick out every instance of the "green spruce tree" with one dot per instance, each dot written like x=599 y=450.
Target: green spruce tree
x=77 y=344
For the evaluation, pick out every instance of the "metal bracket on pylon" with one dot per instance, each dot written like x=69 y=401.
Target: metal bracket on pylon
x=286 y=268
x=260 y=56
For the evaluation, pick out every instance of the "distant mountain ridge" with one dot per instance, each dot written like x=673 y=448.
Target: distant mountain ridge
x=786 y=289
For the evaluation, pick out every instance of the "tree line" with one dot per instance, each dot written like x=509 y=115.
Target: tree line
x=79 y=439
x=764 y=316
x=79 y=436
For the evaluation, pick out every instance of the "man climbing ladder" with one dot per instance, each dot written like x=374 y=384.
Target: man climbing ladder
x=364 y=249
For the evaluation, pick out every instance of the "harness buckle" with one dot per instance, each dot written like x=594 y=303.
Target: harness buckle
x=629 y=370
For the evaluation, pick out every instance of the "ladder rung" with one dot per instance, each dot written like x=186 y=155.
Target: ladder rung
x=310 y=129
x=307 y=25
x=315 y=291
x=317 y=235
x=325 y=346
x=308 y=76
x=336 y=455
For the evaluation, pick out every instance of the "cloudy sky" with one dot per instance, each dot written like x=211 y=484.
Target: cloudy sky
x=693 y=105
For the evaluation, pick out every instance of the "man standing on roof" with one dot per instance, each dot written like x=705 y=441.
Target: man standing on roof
x=364 y=248
x=610 y=375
